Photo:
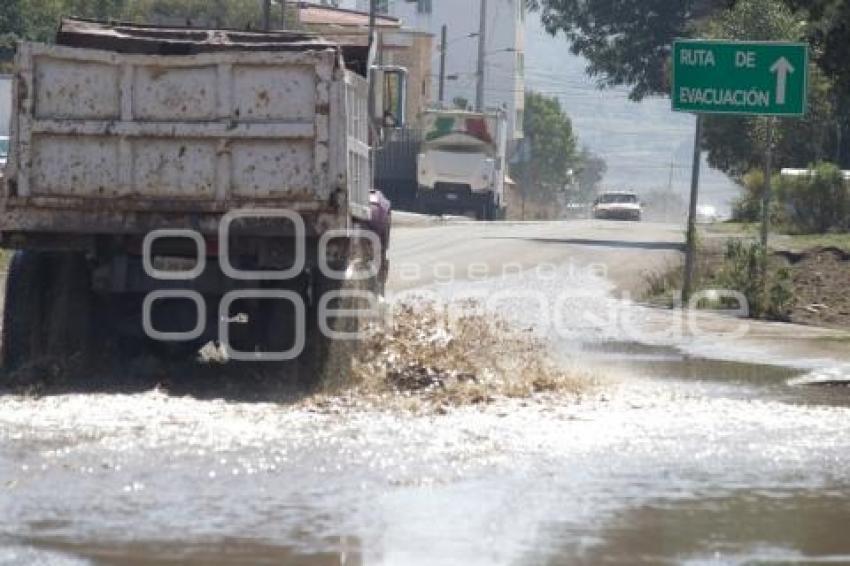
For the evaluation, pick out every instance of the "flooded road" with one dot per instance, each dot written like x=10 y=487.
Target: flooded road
x=685 y=447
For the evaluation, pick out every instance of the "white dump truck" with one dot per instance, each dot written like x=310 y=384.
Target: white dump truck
x=5 y=104
x=167 y=187
x=461 y=166
x=5 y=118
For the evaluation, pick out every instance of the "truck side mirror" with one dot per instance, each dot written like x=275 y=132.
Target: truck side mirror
x=391 y=96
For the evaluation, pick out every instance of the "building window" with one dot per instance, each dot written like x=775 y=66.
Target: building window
x=422 y=6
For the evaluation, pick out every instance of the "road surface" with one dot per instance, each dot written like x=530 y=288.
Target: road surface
x=697 y=444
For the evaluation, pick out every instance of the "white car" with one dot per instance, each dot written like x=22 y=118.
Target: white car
x=617 y=205
x=707 y=214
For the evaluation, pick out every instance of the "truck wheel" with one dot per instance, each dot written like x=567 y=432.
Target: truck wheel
x=71 y=306
x=26 y=287
x=329 y=361
x=383 y=275
x=488 y=210
x=379 y=282
x=49 y=308
x=325 y=360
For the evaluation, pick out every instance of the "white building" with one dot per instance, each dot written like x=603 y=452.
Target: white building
x=504 y=80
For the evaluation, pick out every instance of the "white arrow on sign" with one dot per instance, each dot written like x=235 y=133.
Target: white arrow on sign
x=782 y=68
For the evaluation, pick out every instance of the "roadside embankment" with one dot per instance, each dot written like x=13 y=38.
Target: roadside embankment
x=807 y=282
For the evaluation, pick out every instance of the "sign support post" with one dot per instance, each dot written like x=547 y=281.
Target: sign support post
x=690 y=251
x=765 y=205
x=753 y=78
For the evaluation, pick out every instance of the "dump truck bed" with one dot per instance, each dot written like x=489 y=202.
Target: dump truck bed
x=107 y=141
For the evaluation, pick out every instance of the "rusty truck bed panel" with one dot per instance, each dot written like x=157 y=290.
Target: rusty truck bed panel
x=101 y=124
x=128 y=134
x=145 y=39
x=39 y=220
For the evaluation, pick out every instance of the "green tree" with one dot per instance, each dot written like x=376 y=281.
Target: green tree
x=589 y=174
x=816 y=203
x=549 y=135
x=737 y=144
x=236 y=14
x=626 y=42
x=828 y=31
x=37 y=20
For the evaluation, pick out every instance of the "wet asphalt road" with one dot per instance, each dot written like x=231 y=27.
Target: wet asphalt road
x=690 y=447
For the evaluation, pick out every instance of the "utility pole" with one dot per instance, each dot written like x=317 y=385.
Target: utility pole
x=766 y=196
x=283 y=14
x=669 y=191
x=691 y=252
x=373 y=7
x=526 y=150
x=443 y=45
x=765 y=206
x=267 y=14
x=482 y=42
x=373 y=10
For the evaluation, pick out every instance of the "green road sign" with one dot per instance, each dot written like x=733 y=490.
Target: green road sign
x=731 y=77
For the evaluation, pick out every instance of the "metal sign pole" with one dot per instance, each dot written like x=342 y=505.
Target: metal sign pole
x=267 y=11
x=443 y=46
x=482 y=43
x=765 y=206
x=690 y=252
x=753 y=78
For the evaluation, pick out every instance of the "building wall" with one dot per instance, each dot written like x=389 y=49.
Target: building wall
x=406 y=48
x=416 y=58
x=505 y=44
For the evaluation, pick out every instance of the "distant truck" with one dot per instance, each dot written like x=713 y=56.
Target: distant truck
x=5 y=118
x=159 y=174
x=461 y=165
x=5 y=104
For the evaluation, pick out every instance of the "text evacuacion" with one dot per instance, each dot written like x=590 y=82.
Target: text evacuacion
x=725 y=97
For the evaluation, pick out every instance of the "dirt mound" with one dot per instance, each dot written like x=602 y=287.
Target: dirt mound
x=459 y=356
x=821 y=281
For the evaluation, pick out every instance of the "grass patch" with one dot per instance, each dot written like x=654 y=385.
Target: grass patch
x=780 y=240
x=734 y=266
x=664 y=286
x=731 y=228
x=804 y=242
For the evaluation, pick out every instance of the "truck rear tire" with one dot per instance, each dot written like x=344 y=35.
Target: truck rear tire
x=328 y=361
x=488 y=209
x=48 y=309
x=25 y=289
